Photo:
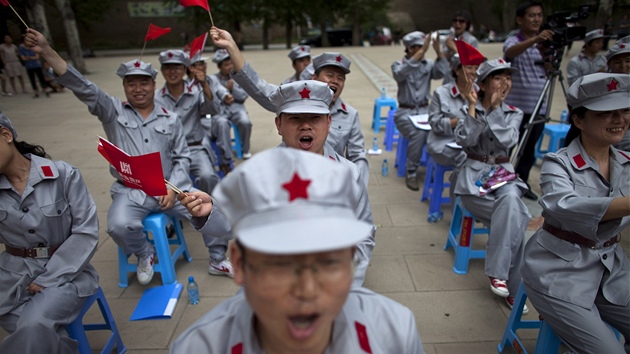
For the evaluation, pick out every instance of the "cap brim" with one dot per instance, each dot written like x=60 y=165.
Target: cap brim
x=508 y=68
x=173 y=61
x=316 y=107
x=302 y=55
x=609 y=102
x=137 y=72
x=345 y=70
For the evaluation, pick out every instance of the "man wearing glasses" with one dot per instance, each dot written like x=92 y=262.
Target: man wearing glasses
x=292 y=213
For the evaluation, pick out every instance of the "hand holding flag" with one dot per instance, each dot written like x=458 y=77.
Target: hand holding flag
x=6 y=3
x=201 y=3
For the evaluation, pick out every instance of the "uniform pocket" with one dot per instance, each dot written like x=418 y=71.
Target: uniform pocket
x=3 y=215
x=563 y=249
x=55 y=209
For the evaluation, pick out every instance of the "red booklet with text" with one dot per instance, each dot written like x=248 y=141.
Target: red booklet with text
x=142 y=172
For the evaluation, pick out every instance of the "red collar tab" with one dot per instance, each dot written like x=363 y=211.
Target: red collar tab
x=579 y=161
x=47 y=171
x=364 y=341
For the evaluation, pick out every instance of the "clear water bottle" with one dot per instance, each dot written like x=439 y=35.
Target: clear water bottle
x=564 y=117
x=384 y=168
x=193 y=291
x=383 y=92
x=375 y=144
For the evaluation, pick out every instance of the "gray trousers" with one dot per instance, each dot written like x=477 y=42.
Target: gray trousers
x=220 y=130
x=244 y=125
x=202 y=169
x=36 y=326
x=417 y=137
x=507 y=217
x=124 y=225
x=584 y=330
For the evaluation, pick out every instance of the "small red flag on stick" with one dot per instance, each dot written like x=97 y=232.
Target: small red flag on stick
x=468 y=55
x=201 y=3
x=6 y=3
x=155 y=32
x=198 y=44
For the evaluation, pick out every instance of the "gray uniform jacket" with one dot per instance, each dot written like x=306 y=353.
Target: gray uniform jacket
x=362 y=210
x=414 y=79
x=55 y=208
x=190 y=107
x=574 y=198
x=492 y=133
x=581 y=65
x=290 y=79
x=367 y=323
x=162 y=131
x=446 y=103
x=345 y=134
x=239 y=94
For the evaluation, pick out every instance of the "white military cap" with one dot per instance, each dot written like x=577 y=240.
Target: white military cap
x=622 y=46
x=220 y=55
x=332 y=59
x=592 y=35
x=136 y=67
x=489 y=66
x=287 y=201
x=197 y=58
x=174 y=56
x=414 y=38
x=308 y=96
x=600 y=92
x=5 y=122
x=454 y=61
x=299 y=51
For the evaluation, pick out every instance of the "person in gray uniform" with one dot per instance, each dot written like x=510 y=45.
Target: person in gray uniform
x=138 y=127
x=589 y=61
x=462 y=20
x=618 y=57
x=300 y=58
x=444 y=113
x=575 y=272
x=235 y=112
x=49 y=229
x=303 y=120
x=293 y=217
x=487 y=132
x=218 y=125
x=413 y=74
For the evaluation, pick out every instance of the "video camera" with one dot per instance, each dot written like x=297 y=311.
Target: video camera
x=563 y=34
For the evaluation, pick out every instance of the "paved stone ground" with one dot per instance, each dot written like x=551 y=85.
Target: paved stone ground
x=455 y=313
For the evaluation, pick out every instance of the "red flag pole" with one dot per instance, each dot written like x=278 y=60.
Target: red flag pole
x=209 y=14
x=142 y=52
x=18 y=15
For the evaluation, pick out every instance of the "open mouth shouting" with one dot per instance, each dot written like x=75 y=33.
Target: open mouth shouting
x=302 y=326
x=306 y=142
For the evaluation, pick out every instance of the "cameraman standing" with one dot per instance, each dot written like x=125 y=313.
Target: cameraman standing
x=523 y=50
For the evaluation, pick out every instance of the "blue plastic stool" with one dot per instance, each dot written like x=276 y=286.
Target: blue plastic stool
x=155 y=223
x=237 y=146
x=379 y=103
x=515 y=323
x=76 y=330
x=460 y=235
x=213 y=144
x=556 y=134
x=433 y=189
x=392 y=135
x=401 y=156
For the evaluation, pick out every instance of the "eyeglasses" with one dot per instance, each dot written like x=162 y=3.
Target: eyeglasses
x=326 y=270
x=459 y=20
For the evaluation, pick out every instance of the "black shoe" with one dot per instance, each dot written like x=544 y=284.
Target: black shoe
x=530 y=195
x=412 y=182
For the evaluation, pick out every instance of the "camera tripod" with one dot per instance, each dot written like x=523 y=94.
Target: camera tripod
x=547 y=91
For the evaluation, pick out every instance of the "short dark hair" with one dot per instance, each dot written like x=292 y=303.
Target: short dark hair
x=574 y=132
x=466 y=16
x=522 y=7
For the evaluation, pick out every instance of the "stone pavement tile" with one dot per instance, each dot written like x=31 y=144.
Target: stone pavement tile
x=387 y=274
x=455 y=316
x=193 y=313
x=409 y=214
x=409 y=240
x=479 y=347
x=435 y=273
x=380 y=216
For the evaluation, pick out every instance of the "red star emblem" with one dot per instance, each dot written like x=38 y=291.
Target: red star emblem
x=501 y=61
x=305 y=93
x=302 y=49
x=189 y=88
x=338 y=58
x=622 y=46
x=136 y=64
x=612 y=85
x=170 y=55
x=297 y=187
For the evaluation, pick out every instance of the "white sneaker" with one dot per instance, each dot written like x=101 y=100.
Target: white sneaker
x=509 y=301
x=145 y=269
x=247 y=155
x=223 y=268
x=499 y=287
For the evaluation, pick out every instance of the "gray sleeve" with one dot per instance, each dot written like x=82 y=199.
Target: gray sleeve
x=401 y=70
x=215 y=225
x=504 y=126
x=573 y=71
x=440 y=124
x=180 y=157
x=355 y=150
x=255 y=86
x=440 y=69
x=468 y=129
x=363 y=212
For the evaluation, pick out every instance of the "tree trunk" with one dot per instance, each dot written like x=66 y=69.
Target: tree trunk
x=37 y=18
x=509 y=16
x=72 y=35
x=604 y=11
x=356 y=27
x=288 y=32
x=322 y=28
x=265 y=34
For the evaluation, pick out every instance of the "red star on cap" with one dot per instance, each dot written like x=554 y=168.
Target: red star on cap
x=136 y=64
x=170 y=55
x=302 y=49
x=501 y=61
x=297 y=187
x=305 y=93
x=338 y=58
x=622 y=46
x=612 y=85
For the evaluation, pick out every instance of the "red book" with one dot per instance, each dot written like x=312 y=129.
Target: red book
x=200 y=3
x=142 y=172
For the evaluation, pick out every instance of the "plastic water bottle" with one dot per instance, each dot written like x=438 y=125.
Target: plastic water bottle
x=383 y=92
x=375 y=144
x=384 y=168
x=564 y=117
x=193 y=291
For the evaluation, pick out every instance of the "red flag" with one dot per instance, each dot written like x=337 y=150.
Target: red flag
x=142 y=172
x=5 y=3
x=154 y=32
x=198 y=44
x=200 y=3
x=469 y=55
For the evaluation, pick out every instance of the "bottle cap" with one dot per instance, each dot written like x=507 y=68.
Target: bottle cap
x=191 y=279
